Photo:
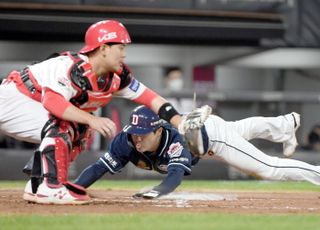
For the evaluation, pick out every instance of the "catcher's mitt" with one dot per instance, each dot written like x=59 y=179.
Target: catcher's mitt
x=191 y=127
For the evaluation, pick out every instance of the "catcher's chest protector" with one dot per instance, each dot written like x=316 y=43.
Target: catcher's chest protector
x=88 y=99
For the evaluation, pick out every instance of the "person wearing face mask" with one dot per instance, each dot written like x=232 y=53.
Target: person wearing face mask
x=174 y=79
x=313 y=140
x=174 y=82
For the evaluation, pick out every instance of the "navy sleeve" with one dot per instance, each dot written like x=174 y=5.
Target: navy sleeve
x=179 y=156
x=171 y=182
x=118 y=155
x=91 y=174
x=112 y=161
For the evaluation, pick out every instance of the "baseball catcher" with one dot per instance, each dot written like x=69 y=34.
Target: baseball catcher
x=51 y=103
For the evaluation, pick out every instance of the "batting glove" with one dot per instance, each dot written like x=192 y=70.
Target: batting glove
x=152 y=194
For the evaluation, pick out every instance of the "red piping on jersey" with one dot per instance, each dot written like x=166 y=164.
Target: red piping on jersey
x=146 y=97
x=55 y=103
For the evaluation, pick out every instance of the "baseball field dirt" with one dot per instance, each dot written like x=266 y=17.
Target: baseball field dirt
x=120 y=201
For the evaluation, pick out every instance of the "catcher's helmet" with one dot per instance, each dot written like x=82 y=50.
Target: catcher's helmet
x=143 y=121
x=107 y=31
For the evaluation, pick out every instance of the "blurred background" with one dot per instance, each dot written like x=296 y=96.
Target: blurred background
x=243 y=57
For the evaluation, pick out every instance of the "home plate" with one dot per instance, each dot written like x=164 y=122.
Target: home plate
x=184 y=199
x=189 y=196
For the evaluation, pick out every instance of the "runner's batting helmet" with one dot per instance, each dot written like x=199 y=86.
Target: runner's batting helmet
x=143 y=121
x=107 y=31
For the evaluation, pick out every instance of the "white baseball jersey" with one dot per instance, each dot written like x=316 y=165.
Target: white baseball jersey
x=23 y=118
x=229 y=142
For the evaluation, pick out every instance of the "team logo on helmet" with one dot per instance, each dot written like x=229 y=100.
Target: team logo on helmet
x=107 y=37
x=107 y=31
x=143 y=121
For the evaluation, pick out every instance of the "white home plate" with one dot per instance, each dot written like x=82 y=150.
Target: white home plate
x=194 y=196
x=181 y=198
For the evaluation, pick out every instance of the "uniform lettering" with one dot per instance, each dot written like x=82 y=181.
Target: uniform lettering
x=180 y=159
x=107 y=37
x=110 y=160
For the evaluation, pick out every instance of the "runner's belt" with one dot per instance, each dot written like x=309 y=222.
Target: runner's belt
x=27 y=81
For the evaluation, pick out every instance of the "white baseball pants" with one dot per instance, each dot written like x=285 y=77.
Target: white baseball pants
x=229 y=142
x=20 y=116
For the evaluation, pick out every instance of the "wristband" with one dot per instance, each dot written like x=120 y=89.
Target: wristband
x=167 y=111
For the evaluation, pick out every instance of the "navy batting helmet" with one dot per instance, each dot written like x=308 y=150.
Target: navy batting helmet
x=143 y=121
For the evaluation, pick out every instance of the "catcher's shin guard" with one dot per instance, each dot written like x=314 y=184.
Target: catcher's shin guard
x=55 y=150
x=55 y=160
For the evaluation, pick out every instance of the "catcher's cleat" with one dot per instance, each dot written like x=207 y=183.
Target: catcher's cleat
x=290 y=145
x=28 y=195
x=59 y=195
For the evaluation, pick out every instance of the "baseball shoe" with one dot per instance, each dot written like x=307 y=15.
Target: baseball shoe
x=59 y=195
x=28 y=195
x=290 y=145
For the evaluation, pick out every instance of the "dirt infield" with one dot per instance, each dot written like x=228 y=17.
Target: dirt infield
x=120 y=201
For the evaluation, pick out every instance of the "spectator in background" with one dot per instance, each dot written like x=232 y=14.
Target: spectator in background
x=174 y=79
x=174 y=82
x=313 y=139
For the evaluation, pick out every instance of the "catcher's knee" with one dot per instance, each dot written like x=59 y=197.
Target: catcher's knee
x=58 y=128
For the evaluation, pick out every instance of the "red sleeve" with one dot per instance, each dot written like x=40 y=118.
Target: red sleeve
x=146 y=97
x=54 y=102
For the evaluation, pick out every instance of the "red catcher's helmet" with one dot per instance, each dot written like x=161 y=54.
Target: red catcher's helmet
x=107 y=31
